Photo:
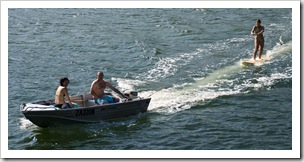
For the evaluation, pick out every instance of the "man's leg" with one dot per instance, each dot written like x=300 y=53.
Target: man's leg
x=261 y=49
x=256 y=47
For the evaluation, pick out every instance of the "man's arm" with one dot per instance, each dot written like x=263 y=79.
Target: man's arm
x=68 y=97
x=252 y=31
x=92 y=91
x=262 y=31
x=115 y=89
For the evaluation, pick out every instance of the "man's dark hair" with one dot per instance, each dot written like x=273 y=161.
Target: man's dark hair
x=62 y=80
x=100 y=72
x=258 y=20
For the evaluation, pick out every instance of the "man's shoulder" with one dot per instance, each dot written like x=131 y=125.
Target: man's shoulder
x=60 y=89
x=107 y=82
x=95 y=81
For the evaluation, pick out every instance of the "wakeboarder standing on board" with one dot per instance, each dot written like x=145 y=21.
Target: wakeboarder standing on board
x=258 y=31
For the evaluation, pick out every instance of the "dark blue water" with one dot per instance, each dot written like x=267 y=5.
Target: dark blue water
x=186 y=60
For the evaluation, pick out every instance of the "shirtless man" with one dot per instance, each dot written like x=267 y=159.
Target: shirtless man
x=62 y=93
x=258 y=31
x=97 y=89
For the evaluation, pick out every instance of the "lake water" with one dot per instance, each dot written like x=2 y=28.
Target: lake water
x=186 y=60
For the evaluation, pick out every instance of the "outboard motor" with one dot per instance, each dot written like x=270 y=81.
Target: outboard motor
x=132 y=95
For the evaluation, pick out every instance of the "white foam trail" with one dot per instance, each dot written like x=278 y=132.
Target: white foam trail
x=164 y=67
x=174 y=99
x=217 y=75
x=168 y=66
x=279 y=50
x=128 y=84
x=181 y=97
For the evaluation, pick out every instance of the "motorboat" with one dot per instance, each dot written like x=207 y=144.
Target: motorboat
x=85 y=110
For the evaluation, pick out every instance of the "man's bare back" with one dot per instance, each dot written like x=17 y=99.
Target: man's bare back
x=59 y=96
x=62 y=94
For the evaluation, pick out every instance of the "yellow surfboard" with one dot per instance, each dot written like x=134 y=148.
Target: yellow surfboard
x=252 y=61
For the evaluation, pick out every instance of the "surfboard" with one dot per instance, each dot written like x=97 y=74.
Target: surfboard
x=248 y=62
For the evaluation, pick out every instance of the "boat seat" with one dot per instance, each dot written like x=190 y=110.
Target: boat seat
x=81 y=100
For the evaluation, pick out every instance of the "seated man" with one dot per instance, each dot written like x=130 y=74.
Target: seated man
x=62 y=93
x=97 y=90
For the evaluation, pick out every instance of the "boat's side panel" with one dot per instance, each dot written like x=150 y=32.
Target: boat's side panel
x=121 y=110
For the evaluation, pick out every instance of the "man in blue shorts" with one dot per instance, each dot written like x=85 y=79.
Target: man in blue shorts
x=98 y=87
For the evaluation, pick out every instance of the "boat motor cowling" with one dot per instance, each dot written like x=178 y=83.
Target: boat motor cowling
x=131 y=94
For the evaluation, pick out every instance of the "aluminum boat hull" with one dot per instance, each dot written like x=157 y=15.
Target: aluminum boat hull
x=48 y=115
